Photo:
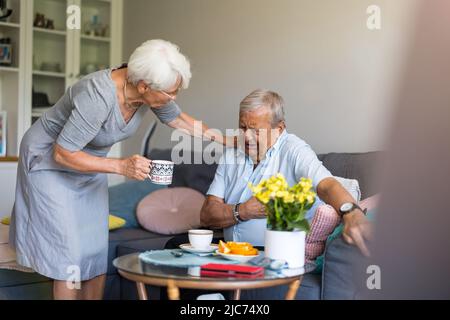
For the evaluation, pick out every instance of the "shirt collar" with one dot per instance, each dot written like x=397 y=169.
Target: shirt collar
x=272 y=149
x=278 y=143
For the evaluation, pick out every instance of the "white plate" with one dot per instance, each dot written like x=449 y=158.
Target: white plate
x=236 y=257
x=187 y=247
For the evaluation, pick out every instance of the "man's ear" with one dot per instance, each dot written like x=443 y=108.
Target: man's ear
x=281 y=126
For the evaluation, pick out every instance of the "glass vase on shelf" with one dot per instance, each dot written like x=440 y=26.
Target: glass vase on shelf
x=93 y=28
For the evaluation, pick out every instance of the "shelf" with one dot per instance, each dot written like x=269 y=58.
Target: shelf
x=50 y=31
x=38 y=112
x=93 y=38
x=105 y=1
x=9 y=69
x=9 y=24
x=49 y=74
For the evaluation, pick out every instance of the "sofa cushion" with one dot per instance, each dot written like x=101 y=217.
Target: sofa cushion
x=129 y=236
x=26 y=289
x=352 y=186
x=124 y=198
x=10 y=278
x=339 y=270
x=115 y=223
x=171 y=211
x=360 y=166
x=187 y=174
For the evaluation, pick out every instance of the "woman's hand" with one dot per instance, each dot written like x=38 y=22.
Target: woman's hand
x=136 y=167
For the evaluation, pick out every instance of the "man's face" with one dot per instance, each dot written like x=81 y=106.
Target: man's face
x=259 y=136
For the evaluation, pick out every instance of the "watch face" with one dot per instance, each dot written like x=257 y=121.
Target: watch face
x=346 y=207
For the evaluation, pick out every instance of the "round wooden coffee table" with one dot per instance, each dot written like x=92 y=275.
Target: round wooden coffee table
x=134 y=269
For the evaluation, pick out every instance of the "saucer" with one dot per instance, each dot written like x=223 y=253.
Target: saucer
x=187 y=247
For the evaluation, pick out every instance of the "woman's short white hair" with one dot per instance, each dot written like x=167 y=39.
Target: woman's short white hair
x=159 y=63
x=259 y=98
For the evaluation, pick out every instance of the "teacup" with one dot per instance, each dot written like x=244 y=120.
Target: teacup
x=200 y=239
x=161 y=172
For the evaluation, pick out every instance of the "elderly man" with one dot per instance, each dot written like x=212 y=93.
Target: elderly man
x=270 y=149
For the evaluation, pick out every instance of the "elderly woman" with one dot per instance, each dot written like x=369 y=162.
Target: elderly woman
x=59 y=222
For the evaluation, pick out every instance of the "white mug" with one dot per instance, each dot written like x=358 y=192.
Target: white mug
x=161 y=172
x=200 y=239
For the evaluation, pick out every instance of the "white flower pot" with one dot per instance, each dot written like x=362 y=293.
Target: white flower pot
x=286 y=245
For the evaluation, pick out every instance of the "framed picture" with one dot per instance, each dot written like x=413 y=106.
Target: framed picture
x=2 y=133
x=5 y=54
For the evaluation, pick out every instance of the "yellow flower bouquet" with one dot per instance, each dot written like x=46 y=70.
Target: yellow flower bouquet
x=286 y=206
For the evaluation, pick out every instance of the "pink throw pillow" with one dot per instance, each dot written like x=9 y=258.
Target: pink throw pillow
x=170 y=211
x=325 y=220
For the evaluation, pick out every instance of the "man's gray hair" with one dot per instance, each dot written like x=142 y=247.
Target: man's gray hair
x=259 y=98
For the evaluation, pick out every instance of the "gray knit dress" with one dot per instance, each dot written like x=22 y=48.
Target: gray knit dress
x=59 y=220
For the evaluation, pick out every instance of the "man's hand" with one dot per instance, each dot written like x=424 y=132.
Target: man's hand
x=252 y=209
x=357 y=229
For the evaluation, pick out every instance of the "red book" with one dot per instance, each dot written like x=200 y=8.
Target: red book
x=231 y=270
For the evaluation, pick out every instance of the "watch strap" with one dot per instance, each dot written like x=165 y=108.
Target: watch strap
x=355 y=206
x=236 y=215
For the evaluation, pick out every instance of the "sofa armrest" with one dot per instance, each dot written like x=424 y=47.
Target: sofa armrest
x=338 y=276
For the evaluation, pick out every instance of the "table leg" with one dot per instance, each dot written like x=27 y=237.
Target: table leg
x=141 y=291
x=172 y=291
x=237 y=294
x=293 y=288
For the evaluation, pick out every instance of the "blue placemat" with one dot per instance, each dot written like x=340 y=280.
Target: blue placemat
x=166 y=258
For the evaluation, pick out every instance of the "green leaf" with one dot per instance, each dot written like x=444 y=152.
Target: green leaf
x=302 y=225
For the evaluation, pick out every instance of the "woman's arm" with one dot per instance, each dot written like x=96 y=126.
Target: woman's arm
x=135 y=167
x=198 y=129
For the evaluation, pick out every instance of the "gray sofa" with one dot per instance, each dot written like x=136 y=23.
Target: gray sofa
x=333 y=283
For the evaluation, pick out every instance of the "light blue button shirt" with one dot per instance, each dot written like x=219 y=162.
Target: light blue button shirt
x=290 y=156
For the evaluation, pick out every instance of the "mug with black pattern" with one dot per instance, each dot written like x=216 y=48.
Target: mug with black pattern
x=161 y=172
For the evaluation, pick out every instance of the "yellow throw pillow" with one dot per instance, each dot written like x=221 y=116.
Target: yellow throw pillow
x=6 y=221
x=115 y=222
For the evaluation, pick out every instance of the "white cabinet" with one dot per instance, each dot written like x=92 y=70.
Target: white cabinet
x=61 y=57
x=12 y=75
x=48 y=58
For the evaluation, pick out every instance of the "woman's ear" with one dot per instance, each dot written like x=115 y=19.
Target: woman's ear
x=142 y=87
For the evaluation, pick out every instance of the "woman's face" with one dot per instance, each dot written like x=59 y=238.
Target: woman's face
x=158 y=98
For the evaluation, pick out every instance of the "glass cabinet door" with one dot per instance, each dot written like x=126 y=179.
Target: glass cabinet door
x=51 y=66
x=95 y=36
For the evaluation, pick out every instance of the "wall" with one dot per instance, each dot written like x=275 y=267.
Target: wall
x=336 y=76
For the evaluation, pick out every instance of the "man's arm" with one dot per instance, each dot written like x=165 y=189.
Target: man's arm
x=357 y=228
x=216 y=214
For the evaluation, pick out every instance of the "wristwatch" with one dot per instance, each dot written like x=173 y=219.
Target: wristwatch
x=237 y=217
x=349 y=207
